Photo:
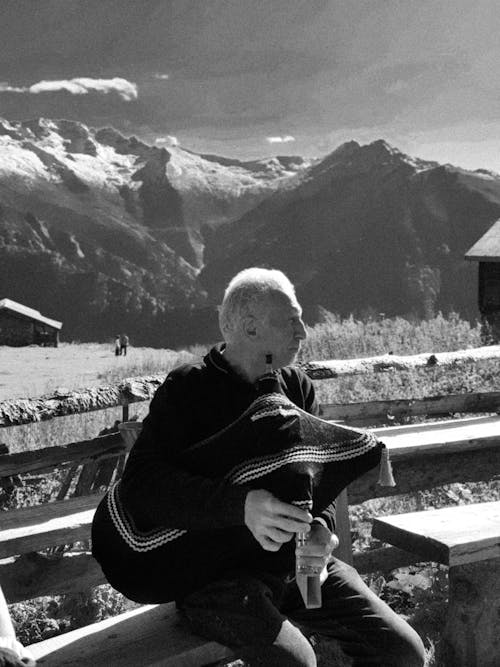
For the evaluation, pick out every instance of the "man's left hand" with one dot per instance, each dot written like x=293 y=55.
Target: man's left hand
x=316 y=551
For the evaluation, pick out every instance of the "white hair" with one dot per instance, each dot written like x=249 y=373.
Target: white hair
x=245 y=290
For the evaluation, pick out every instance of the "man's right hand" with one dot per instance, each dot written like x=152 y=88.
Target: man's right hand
x=273 y=522
x=10 y=658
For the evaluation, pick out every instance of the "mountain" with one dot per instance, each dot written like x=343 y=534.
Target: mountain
x=365 y=230
x=109 y=234
x=102 y=231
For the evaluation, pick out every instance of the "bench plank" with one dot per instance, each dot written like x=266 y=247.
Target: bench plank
x=32 y=575
x=33 y=528
x=451 y=435
x=150 y=635
x=48 y=458
x=451 y=535
x=385 y=410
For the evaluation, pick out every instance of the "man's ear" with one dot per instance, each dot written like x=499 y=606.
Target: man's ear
x=250 y=326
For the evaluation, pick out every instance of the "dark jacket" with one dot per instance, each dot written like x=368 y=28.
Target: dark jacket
x=156 y=491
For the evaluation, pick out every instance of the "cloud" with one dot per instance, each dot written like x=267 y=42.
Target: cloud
x=5 y=88
x=79 y=86
x=280 y=140
x=161 y=76
x=169 y=139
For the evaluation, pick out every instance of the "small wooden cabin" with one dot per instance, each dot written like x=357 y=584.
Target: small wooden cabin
x=20 y=325
x=486 y=251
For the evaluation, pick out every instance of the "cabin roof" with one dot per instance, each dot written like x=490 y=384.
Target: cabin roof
x=30 y=313
x=487 y=249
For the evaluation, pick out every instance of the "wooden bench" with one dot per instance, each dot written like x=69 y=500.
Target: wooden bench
x=31 y=529
x=467 y=539
x=25 y=573
x=150 y=635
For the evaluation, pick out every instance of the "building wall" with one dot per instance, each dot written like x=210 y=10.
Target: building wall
x=46 y=336
x=489 y=301
x=14 y=330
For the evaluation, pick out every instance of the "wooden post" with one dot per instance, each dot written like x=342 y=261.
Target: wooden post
x=472 y=632
x=343 y=528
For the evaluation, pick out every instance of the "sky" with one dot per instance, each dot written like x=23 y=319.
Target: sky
x=249 y=79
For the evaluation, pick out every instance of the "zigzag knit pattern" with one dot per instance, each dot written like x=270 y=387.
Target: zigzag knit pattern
x=326 y=443
x=136 y=540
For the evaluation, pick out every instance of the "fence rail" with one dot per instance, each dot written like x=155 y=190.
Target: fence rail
x=92 y=462
x=138 y=389
x=324 y=370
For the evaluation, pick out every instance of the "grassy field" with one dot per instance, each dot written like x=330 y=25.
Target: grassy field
x=417 y=593
x=33 y=371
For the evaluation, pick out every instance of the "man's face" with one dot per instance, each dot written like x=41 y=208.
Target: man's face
x=281 y=328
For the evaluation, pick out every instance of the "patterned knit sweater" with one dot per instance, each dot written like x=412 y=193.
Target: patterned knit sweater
x=210 y=437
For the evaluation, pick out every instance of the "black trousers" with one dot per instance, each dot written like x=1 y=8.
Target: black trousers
x=248 y=612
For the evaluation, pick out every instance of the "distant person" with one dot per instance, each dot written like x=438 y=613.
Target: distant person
x=124 y=343
x=12 y=652
x=117 y=346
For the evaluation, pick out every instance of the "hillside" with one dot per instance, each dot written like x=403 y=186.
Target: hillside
x=366 y=229
x=108 y=234
x=103 y=231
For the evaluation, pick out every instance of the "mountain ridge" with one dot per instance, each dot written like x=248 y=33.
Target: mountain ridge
x=368 y=228
x=106 y=232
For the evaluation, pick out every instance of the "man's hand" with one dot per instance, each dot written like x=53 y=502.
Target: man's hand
x=315 y=553
x=10 y=658
x=273 y=522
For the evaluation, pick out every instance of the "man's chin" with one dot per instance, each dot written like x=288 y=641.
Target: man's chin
x=292 y=356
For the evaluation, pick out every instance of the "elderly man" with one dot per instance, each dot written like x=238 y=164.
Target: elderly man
x=225 y=552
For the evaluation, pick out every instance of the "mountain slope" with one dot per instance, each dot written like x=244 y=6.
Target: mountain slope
x=367 y=229
x=107 y=233
x=103 y=231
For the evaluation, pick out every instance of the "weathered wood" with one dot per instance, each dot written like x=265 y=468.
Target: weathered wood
x=384 y=559
x=32 y=575
x=472 y=633
x=323 y=370
x=99 y=448
x=411 y=473
x=343 y=528
x=33 y=528
x=86 y=478
x=456 y=435
x=387 y=411
x=67 y=481
x=132 y=390
x=428 y=455
x=452 y=435
x=129 y=432
x=427 y=472
x=29 y=410
x=151 y=635
x=106 y=473
x=451 y=535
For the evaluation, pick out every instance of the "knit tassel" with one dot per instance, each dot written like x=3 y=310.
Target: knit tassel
x=385 y=478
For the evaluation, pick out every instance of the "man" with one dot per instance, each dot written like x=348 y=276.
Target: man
x=226 y=552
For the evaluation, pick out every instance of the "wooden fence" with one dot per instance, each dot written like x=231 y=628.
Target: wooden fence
x=92 y=464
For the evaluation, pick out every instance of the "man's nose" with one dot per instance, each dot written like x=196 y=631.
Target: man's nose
x=300 y=330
